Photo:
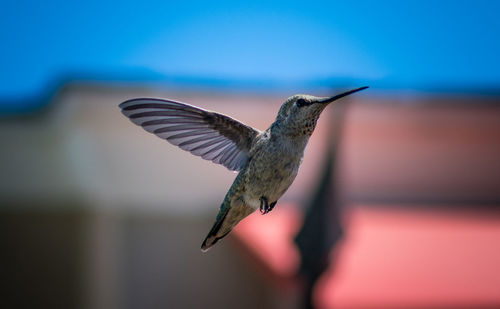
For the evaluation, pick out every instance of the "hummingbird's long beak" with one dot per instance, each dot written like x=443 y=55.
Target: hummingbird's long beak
x=338 y=96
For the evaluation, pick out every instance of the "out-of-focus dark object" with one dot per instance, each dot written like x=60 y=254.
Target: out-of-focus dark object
x=321 y=228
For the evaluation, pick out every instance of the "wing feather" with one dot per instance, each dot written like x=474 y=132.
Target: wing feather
x=212 y=136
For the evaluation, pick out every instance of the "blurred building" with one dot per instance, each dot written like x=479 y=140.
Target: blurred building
x=97 y=213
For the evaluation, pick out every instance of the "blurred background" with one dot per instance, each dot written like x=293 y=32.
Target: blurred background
x=97 y=213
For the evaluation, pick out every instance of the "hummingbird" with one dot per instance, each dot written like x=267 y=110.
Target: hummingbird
x=266 y=161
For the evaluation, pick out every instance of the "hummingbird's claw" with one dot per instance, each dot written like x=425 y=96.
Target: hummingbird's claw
x=271 y=206
x=265 y=207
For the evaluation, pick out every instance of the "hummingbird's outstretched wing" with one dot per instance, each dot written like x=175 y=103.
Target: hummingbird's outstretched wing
x=210 y=135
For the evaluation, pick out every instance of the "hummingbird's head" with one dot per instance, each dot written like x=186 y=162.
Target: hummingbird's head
x=299 y=114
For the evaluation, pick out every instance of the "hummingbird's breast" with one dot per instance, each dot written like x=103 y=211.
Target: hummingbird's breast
x=272 y=168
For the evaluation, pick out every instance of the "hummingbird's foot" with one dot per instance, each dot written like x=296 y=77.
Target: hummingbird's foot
x=265 y=207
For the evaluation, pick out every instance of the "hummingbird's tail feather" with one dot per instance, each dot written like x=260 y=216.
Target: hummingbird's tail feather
x=212 y=238
x=226 y=219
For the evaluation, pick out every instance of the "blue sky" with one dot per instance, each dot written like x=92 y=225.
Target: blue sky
x=391 y=44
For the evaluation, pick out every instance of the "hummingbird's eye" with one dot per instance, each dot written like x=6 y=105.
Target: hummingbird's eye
x=301 y=102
